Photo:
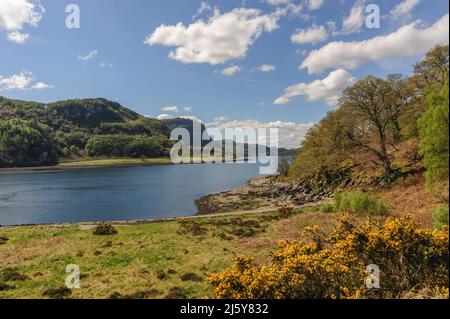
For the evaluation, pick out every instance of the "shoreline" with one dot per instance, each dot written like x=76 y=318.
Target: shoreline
x=81 y=224
x=92 y=163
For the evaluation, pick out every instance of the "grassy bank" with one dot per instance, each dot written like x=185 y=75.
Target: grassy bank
x=142 y=260
x=116 y=161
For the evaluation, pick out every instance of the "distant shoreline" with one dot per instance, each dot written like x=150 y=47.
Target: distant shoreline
x=93 y=163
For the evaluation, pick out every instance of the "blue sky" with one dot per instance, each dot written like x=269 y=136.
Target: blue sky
x=211 y=65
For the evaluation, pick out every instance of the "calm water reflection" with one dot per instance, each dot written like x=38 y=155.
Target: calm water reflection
x=113 y=193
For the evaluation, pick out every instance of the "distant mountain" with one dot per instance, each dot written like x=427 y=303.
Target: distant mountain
x=188 y=124
x=33 y=133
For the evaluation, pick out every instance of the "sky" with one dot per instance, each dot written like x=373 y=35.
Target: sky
x=229 y=63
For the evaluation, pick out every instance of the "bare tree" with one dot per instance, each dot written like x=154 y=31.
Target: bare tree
x=375 y=106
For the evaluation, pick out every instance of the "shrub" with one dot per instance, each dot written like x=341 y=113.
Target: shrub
x=440 y=217
x=104 y=230
x=359 y=203
x=326 y=208
x=334 y=266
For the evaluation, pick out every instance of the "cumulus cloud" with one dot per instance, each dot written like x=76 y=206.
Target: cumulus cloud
x=278 y=2
x=355 y=20
x=231 y=70
x=313 y=35
x=17 y=37
x=222 y=38
x=409 y=41
x=267 y=68
x=328 y=89
x=290 y=134
x=21 y=82
x=315 y=4
x=187 y=109
x=404 y=8
x=170 y=109
x=16 y=14
x=91 y=55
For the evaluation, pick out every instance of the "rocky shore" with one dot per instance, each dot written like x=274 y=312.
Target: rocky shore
x=261 y=192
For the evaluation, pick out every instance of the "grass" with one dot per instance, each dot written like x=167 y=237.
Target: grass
x=116 y=161
x=356 y=202
x=440 y=217
x=123 y=161
x=152 y=260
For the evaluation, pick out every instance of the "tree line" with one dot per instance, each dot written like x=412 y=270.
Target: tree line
x=384 y=127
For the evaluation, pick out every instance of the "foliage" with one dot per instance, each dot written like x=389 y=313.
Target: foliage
x=358 y=203
x=434 y=132
x=325 y=149
x=334 y=266
x=440 y=217
x=434 y=68
x=373 y=136
x=125 y=146
x=67 y=126
x=25 y=142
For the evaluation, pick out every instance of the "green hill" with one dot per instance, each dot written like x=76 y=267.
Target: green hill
x=33 y=133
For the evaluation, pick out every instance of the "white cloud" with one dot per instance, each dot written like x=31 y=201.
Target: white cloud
x=404 y=8
x=222 y=38
x=290 y=134
x=91 y=55
x=22 y=81
x=164 y=116
x=42 y=86
x=328 y=89
x=17 y=37
x=204 y=7
x=187 y=109
x=267 y=68
x=278 y=2
x=15 y=14
x=171 y=109
x=313 y=35
x=315 y=4
x=231 y=70
x=408 y=41
x=106 y=65
x=355 y=20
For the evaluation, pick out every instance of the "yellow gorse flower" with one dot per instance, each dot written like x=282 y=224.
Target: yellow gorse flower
x=334 y=266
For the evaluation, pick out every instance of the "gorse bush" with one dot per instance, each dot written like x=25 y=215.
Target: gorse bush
x=358 y=203
x=440 y=217
x=334 y=265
